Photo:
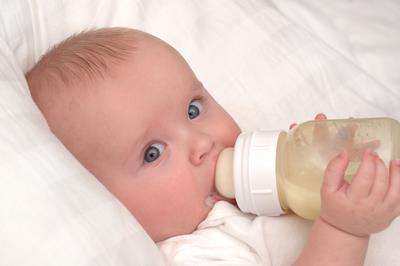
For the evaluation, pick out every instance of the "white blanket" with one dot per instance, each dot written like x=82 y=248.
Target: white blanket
x=229 y=237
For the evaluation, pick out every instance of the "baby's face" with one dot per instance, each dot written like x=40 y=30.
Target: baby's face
x=152 y=135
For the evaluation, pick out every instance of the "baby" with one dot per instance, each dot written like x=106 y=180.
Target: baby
x=130 y=109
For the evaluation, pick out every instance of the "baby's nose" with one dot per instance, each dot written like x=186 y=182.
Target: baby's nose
x=201 y=146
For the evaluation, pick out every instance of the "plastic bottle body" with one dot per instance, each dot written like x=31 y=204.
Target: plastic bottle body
x=275 y=171
x=304 y=153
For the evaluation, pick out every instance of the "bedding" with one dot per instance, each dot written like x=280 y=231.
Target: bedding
x=230 y=237
x=269 y=63
x=366 y=32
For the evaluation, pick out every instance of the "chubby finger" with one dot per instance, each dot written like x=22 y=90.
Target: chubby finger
x=321 y=132
x=392 y=198
x=334 y=173
x=320 y=116
x=360 y=149
x=363 y=180
x=381 y=183
x=373 y=145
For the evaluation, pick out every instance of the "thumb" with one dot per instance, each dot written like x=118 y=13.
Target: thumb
x=334 y=173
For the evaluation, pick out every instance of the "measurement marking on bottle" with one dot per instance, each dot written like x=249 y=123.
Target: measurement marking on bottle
x=261 y=191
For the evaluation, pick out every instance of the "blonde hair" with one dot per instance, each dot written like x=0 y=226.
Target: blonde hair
x=83 y=57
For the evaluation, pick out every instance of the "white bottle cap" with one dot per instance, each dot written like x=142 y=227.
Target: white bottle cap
x=255 y=174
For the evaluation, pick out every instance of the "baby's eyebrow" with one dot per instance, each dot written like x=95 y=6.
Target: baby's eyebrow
x=197 y=86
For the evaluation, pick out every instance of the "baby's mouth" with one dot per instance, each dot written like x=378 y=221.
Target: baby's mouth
x=214 y=197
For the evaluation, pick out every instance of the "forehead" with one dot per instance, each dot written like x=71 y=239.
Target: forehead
x=140 y=90
x=155 y=69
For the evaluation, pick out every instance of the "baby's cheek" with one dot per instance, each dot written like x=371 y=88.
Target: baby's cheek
x=194 y=196
x=190 y=212
x=187 y=191
x=231 y=134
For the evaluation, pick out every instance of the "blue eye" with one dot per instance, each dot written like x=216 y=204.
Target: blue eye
x=195 y=108
x=153 y=152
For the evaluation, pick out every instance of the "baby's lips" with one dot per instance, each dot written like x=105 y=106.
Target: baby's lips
x=218 y=197
x=213 y=197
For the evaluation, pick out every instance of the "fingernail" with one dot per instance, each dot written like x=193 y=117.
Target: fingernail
x=369 y=151
x=342 y=155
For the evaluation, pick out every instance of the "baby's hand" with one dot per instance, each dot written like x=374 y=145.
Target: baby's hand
x=366 y=205
x=319 y=116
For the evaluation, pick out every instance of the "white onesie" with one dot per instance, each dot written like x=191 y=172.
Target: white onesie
x=229 y=237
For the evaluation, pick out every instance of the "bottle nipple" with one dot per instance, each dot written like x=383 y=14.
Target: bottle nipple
x=224 y=174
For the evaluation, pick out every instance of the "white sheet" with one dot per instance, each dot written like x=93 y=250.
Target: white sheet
x=365 y=31
x=229 y=237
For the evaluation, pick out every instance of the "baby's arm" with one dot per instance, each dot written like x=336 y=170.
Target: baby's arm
x=350 y=212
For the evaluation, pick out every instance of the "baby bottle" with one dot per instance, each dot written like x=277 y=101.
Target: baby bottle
x=271 y=172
